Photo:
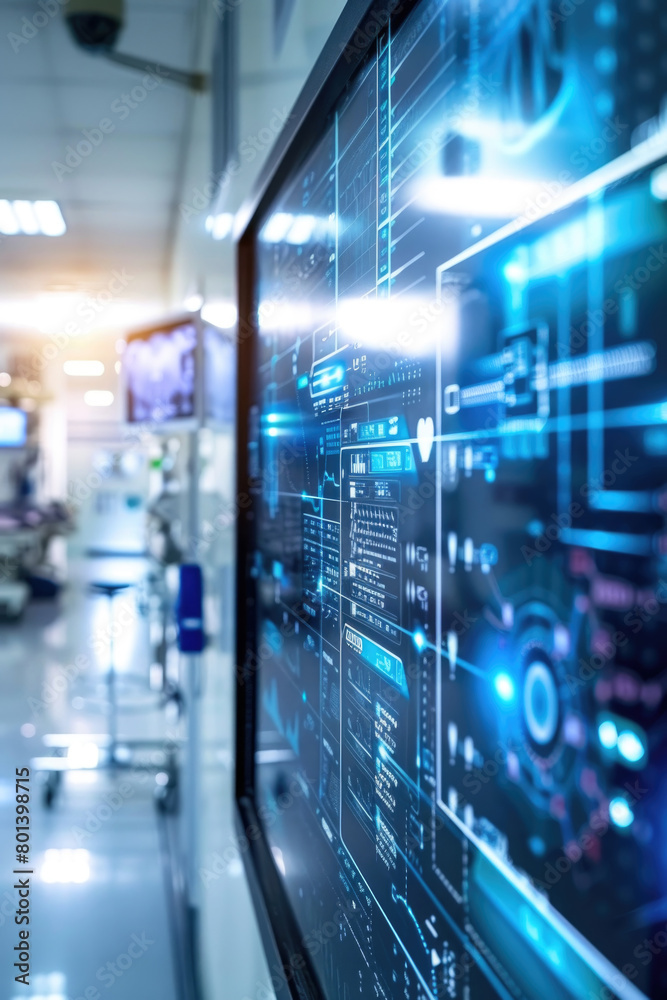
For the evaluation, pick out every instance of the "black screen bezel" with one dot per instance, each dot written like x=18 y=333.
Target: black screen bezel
x=349 y=44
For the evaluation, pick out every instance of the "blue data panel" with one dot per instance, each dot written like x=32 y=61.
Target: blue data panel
x=461 y=555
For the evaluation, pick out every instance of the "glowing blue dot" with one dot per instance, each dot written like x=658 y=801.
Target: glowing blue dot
x=273 y=432
x=490 y=475
x=504 y=686
x=303 y=696
x=608 y=734
x=620 y=813
x=605 y=60
x=605 y=14
x=419 y=639
x=630 y=746
x=537 y=846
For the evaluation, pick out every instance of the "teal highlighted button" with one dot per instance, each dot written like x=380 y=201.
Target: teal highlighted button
x=383 y=662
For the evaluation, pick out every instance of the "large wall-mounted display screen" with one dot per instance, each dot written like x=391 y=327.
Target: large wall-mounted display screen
x=457 y=553
x=160 y=369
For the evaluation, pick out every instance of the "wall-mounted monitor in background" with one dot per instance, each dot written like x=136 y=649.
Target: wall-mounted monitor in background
x=452 y=562
x=160 y=370
x=13 y=427
x=219 y=357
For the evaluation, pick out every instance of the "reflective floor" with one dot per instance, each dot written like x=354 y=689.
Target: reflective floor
x=100 y=917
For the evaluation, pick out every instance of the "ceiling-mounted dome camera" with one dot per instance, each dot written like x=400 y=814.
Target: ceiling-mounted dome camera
x=95 y=24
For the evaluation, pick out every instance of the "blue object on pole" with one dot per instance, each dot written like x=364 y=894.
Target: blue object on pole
x=190 y=609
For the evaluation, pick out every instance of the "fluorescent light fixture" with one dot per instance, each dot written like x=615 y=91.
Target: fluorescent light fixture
x=31 y=218
x=84 y=755
x=284 y=227
x=98 y=397
x=62 y=740
x=9 y=225
x=220 y=225
x=220 y=314
x=301 y=230
x=482 y=197
x=277 y=227
x=63 y=866
x=84 y=368
x=25 y=213
x=50 y=218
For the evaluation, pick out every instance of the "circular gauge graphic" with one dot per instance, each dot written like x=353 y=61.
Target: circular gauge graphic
x=540 y=703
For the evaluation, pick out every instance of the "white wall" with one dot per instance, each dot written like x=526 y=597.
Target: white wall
x=269 y=84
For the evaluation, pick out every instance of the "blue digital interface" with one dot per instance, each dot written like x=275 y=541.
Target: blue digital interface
x=460 y=558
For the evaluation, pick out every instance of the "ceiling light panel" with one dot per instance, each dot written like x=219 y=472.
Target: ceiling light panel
x=31 y=218
x=84 y=368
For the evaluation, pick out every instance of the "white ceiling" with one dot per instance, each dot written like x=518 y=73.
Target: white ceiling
x=121 y=203
x=268 y=81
